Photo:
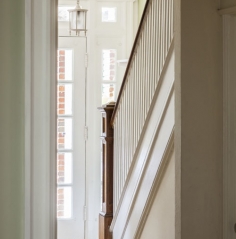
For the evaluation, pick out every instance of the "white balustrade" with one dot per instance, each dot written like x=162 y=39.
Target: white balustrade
x=140 y=83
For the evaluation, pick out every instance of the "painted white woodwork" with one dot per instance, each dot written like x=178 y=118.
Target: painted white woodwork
x=152 y=152
x=142 y=81
x=12 y=125
x=198 y=120
x=160 y=220
x=73 y=228
x=40 y=119
x=229 y=58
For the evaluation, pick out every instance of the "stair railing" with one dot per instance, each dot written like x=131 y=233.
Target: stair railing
x=145 y=66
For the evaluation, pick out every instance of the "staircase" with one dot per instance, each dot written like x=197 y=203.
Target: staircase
x=143 y=122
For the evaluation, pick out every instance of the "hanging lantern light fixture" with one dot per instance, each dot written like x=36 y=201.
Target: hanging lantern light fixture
x=78 y=20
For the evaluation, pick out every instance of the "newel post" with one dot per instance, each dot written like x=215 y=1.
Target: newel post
x=106 y=215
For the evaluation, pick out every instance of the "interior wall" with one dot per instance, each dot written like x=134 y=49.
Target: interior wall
x=161 y=219
x=199 y=119
x=12 y=119
x=229 y=125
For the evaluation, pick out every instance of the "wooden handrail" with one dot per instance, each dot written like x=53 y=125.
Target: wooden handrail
x=130 y=60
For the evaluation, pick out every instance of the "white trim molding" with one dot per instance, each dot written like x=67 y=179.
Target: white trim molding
x=229 y=165
x=169 y=151
x=40 y=118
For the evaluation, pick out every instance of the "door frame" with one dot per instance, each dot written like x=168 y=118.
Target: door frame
x=40 y=119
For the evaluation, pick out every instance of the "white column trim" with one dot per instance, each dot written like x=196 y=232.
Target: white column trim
x=28 y=119
x=40 y=118
x=229 y=160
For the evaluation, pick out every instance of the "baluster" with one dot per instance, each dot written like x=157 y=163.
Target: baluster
x=172 y=19
x=149 y=57
x=123 y=142
x=115 y=166
x=142 y=80
x=165 y=29
x=125 y=133
x=138 y=91
x=153 y=50
x=133 y=110
x=155 y=7
x=163 y=33
x=119 y=161
x=160 y=32
x=154 y=46
x=135 y=105
x=168 y=26
x=128 y=123
x=146 y=66
x=143 y=71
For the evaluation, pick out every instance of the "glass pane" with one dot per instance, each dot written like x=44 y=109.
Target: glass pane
x=64 y=168
x=109 y=65
x=64 y=202
x=78 y=20
x=65 y=65
x=108 y=93
x=63 y=14
x=64 y=99
x=64 y=133
x=108 y=14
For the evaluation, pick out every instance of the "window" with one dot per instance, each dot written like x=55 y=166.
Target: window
x=63 y=14
x=108 y=14
x=64 y=134
x=108 y=75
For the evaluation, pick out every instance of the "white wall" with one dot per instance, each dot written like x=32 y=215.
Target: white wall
x=161 y=219
x=12 y=119
x=199 y=119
